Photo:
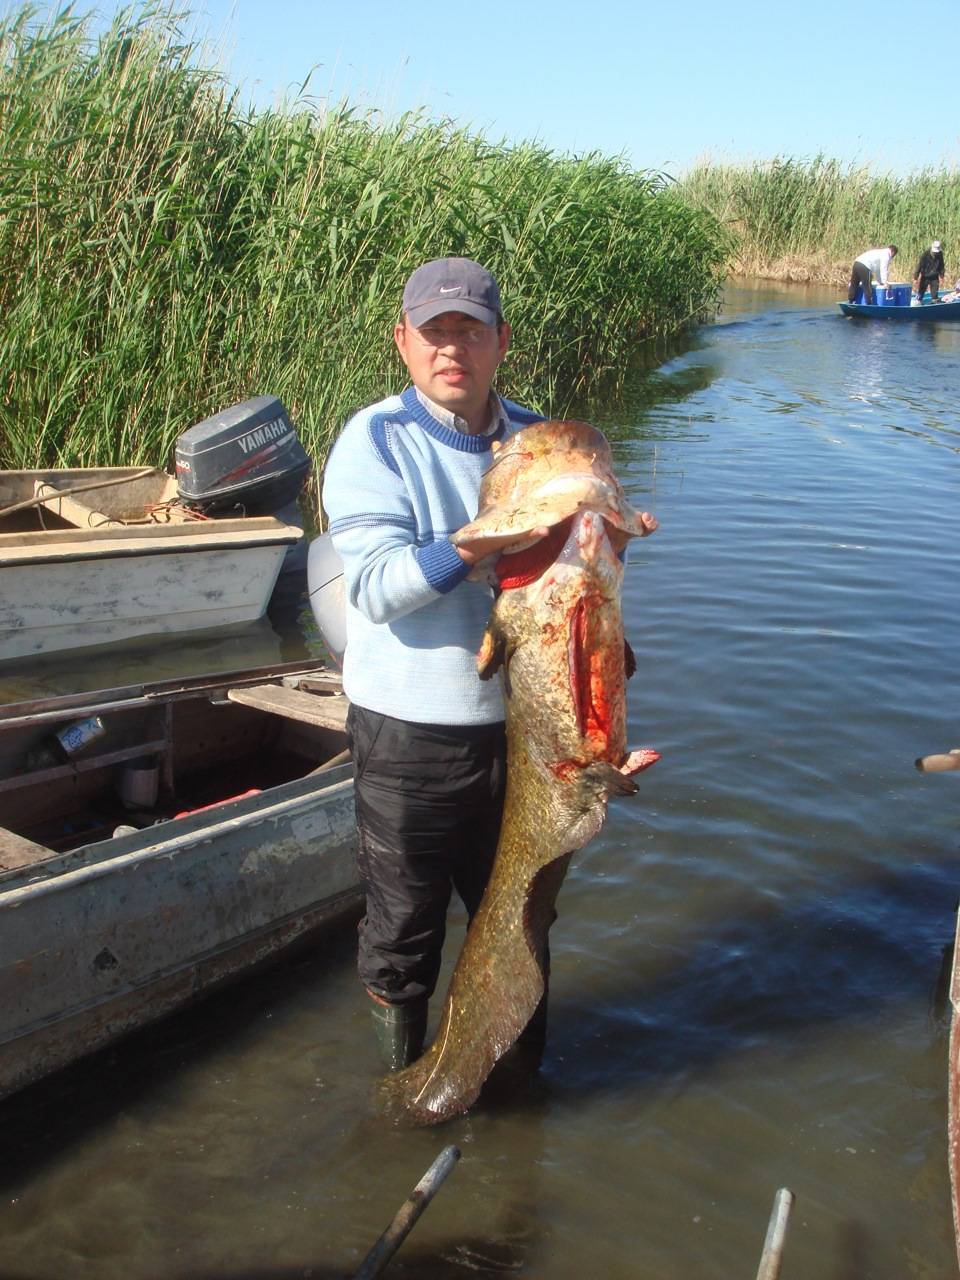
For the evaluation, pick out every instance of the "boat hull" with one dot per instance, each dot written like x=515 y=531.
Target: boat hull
x=147 y=923
x=935 y=311
x=104 y=933
x=91 y=579
x=55 y=605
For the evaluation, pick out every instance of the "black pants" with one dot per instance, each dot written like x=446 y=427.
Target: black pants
x=860 y=279
x=929 y=282
x=429 y=803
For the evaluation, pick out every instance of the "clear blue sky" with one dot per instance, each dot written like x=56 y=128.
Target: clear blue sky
x=664 y=83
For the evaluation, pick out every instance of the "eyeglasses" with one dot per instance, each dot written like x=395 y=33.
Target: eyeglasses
x=468 y=335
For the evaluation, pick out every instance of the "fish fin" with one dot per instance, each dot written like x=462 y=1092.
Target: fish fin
x=638 y=760
x=610 y=780
x=493 y=652
x=629 y=660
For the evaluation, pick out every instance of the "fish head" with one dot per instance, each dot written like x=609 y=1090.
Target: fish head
x=542 y=476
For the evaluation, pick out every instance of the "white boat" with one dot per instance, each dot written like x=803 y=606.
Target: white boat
x=97 y=556
x=199 y=826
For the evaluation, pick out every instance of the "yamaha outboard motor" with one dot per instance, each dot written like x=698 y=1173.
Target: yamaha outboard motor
x=245 y=460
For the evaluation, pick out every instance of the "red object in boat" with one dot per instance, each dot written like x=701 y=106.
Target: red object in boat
x=186 y=813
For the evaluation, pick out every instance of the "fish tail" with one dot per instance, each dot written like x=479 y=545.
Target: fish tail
x=493 y=994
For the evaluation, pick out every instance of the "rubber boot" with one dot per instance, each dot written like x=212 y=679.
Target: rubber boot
x=400 y=1029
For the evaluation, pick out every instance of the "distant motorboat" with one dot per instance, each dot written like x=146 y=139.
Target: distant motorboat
x=896 y=303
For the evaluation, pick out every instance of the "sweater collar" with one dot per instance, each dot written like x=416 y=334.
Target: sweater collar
x=428 y=416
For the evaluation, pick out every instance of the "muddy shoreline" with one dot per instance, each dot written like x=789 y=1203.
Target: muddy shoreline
x=794 y=269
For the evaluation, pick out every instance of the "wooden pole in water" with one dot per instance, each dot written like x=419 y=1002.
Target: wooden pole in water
x=953 y=1089
x=776 y=1236
x=408 y=1213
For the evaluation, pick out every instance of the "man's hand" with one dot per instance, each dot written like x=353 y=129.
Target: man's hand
x=480 y=548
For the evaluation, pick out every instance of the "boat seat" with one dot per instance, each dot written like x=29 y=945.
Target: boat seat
x=15 y=851
x=329 y=711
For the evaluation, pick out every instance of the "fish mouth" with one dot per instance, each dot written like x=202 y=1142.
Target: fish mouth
x=582 y=538
x=551 y=504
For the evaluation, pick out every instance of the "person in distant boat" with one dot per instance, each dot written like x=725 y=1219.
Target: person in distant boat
x=875 y=262
x=930 y=272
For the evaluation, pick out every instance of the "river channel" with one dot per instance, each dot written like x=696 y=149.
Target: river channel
x=746 y=985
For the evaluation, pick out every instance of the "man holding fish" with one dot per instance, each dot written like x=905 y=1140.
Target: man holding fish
x=427 y=734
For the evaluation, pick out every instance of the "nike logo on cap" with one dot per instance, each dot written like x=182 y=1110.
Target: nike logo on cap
x=455 y=289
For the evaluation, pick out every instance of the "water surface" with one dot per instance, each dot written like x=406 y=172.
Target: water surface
x=746 y=962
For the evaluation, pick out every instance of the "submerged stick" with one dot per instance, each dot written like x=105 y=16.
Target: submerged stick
x=776 y=1236
x=340 y=758
x=407 y=1214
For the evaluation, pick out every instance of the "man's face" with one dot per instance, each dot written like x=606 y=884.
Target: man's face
x=452 y=359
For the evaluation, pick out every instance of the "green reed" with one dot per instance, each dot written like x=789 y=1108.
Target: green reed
x=825 y=213
x=166 y=251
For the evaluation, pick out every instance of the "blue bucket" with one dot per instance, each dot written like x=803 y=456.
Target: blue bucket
x=901 y=295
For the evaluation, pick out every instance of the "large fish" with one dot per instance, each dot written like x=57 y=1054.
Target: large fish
x=556 y=632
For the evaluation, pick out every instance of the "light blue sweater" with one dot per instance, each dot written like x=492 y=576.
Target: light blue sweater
x=397 y=484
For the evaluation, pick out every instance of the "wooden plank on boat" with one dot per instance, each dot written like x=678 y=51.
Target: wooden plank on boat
x=52 y=546
x=328 y=711
x=15 y=851
x=138 y=751
x=59 y=706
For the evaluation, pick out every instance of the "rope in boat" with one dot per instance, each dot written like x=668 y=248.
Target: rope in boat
x=39 y=498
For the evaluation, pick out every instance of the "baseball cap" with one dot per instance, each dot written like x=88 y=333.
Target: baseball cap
x=451 y=284
x=935 y=246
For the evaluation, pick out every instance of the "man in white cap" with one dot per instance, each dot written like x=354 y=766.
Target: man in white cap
x=874 y=262
x=427 y=735
x=930 y=272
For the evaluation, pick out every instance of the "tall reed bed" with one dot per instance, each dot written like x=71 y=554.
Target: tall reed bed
x=165 y=251
x=812 y=217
